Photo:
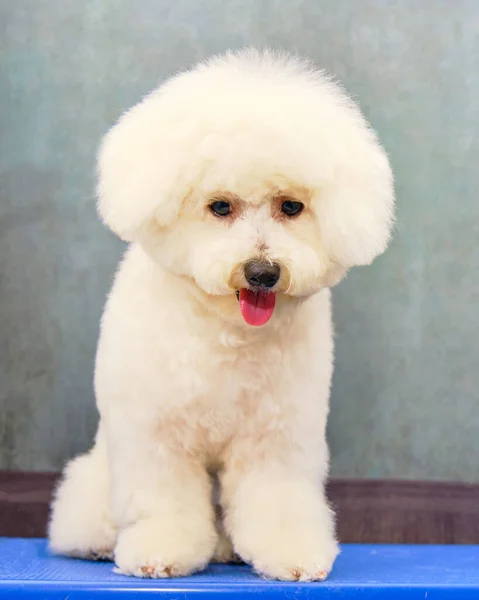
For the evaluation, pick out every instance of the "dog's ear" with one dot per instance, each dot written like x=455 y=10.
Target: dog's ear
x=136 y=173
x=356 y=209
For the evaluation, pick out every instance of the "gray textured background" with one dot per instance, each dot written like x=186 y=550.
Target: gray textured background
x=405 y=393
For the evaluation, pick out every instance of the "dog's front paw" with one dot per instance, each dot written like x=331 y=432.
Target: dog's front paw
x=299 y=564
x=301 y=555
x=158 y=548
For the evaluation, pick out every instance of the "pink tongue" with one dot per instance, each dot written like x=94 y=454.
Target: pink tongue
x=256 y=307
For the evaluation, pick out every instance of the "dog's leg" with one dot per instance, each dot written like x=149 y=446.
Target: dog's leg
x=273 y=494
x=281 y=523
x=161 y=498
x=224 y=552
x=80 y=523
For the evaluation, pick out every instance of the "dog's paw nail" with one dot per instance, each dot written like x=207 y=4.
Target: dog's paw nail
x=148 y=571
x=295 y=574
x=321 y=575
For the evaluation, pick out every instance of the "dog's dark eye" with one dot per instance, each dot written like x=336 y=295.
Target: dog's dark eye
x=220 y=208
x=291 y=208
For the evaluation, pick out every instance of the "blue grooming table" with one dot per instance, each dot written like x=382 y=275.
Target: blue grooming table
x=27 y=571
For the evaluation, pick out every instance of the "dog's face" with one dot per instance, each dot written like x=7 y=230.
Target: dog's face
x=250 y=244
x=263 y=189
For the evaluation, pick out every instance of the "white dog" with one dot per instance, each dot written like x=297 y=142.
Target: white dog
x=247 y=187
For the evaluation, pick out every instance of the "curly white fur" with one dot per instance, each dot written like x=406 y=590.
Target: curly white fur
x=188 y=393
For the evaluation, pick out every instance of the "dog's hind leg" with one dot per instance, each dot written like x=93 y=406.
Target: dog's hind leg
x=80 y=522
x=224 y=552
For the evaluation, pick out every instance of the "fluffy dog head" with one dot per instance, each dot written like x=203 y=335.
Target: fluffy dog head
x=253 y=176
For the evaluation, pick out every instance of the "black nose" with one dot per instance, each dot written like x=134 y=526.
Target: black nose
x=260 y=274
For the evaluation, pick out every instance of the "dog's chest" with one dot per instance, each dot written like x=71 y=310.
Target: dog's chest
x=235 y=395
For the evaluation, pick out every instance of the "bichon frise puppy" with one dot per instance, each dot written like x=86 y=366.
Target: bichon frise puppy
x=247 y=187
